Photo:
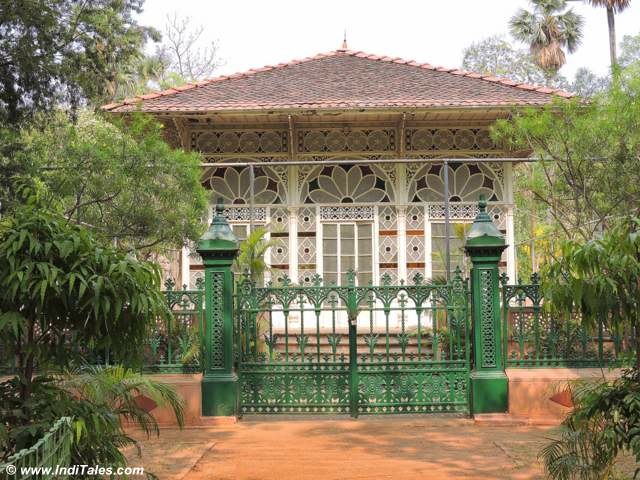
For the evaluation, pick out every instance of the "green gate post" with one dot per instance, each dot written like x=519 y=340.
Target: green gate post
x=352 y=315
x=218 y=248
x=489 y=383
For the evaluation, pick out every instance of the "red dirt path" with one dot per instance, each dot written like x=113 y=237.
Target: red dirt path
x=372 y=448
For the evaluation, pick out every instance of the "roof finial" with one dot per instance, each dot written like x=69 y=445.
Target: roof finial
x=344 y=40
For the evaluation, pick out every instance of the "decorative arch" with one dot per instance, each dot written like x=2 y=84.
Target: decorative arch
x=466 y=182
x=233 y=184
x=346 y=184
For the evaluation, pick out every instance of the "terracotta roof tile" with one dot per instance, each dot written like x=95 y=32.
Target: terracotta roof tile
x=545 y=90
x=342 y=79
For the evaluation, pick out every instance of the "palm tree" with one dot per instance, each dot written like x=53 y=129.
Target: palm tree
x=104 y=396
x=252 y=251
x=548 y=30
x=613 y=7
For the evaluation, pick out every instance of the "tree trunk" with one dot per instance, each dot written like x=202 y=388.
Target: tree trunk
x=612 y=37
x=637 y=345
x=26 y=367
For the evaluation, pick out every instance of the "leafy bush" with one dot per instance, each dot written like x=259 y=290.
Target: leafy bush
x=63 y=294
x=604 y=424
x=98 y=399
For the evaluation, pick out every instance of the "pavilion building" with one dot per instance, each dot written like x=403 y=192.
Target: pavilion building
x=348 y=158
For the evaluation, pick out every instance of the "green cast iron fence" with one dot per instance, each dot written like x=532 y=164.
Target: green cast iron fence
x=353 y=348
x=53 y=449
x=535 y=336
x=174 y=345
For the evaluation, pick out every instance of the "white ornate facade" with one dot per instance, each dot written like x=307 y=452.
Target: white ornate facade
x=328 y=210
x=306 y=125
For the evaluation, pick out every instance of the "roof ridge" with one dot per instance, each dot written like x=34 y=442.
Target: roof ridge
x=465 y=73
x=346 y=52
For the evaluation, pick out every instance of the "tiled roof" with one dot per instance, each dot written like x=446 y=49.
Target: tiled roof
x=342 y=79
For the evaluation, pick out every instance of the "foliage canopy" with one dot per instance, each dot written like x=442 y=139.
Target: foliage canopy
x=80 y=47
x=590 y=156
x=122 y=181
x=62 y=294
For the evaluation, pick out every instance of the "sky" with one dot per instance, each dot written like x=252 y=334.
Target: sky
x=252 y=34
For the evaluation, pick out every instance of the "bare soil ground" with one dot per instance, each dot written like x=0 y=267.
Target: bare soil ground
x=372 y=448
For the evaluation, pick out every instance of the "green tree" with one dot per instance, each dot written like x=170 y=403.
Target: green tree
x=122 y=181
x=55 y=52
x=629 y=50
x=613 y=7
x=587 y=84
x=600 y=278
x=603 y=425
x=496 y=56
x=590 y=157
x=548 y=30
x=61 y=292
x=141 y=74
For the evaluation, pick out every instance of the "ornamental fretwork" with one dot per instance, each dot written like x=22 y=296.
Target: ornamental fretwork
x=486 y=320
x=239 y=141
x=455 y=139
x=216 y=349
x=346 y=140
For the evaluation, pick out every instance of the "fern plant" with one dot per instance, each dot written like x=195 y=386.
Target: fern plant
x=604 y=424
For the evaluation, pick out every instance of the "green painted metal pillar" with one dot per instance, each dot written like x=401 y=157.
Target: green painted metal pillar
x=218 y=248
x=352 y=314
x=489 y=383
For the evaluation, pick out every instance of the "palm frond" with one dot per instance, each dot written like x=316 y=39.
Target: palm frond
x=118 y=387
x=547 y=30
x=616 y=5
x=571 y=25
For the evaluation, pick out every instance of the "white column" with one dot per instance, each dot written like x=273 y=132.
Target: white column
x=267 y=253
x=184 y=268
x=319 y=262
x=508 y=182
x=510 y=226
x=375 y=245
x=292 y=202
x=427 y=244
x=402 y=242
x=293 y=243
x=511 y=249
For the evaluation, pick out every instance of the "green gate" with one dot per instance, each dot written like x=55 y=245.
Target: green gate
x=357 y=349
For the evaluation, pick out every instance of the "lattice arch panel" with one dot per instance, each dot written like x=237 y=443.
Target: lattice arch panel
x=416 y=243
x=346 y=184
x=233 y=185
x=467 y=181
